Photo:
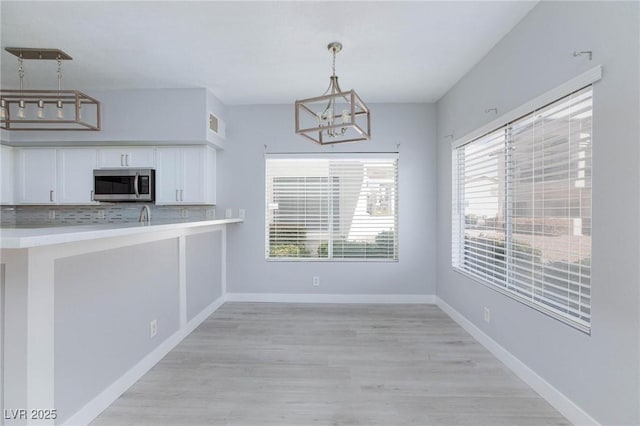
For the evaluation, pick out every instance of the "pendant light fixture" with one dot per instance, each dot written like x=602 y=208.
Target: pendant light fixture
x=336 y=116
x=46 y=109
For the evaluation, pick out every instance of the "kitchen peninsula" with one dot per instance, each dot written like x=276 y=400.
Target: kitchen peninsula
x=89 y=309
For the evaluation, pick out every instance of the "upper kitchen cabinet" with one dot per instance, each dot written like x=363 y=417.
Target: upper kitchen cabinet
x=7 y=161
x=37 y=176
x=55 y=176
x=125 y=157
x=142 y=117
x=185 y=175
x=75 y=175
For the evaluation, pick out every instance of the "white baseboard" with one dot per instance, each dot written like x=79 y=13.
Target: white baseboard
x=98 y=404
x=553 y=396
x=423 y=299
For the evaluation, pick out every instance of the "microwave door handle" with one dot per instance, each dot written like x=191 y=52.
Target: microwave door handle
x=135 y=185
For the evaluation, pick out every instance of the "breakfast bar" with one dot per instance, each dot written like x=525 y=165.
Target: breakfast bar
x=72 y=294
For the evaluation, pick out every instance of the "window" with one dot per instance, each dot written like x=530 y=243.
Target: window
x=332 y=207
x=522 y=208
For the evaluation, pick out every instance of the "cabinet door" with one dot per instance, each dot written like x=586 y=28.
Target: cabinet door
x=8 y=161
x=37 y=176
x=168 y=175
x=140 y=157
x=126 y=157
x=111 y=157
x=75 y=175
x=194 y=175
x=211 y=176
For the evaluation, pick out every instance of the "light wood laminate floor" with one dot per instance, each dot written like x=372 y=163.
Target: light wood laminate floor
x=307 y=364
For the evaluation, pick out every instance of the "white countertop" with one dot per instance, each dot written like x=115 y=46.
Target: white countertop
x=17 y=238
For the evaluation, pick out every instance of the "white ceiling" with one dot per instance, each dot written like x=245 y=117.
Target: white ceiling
x=258 y=52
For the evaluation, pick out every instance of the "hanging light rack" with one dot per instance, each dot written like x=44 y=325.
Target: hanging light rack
x=335 y=117
x=24 y=109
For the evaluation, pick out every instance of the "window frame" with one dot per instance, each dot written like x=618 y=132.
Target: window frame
x=504 y=122
x=334 y=156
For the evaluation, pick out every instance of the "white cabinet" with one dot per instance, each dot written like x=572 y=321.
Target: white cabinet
x=75 y=175
x=125 y=157
x=7 y=161
x=37 y=176
x=186 y=175
x=55 y=176
x=195 y=183
x=168 y=171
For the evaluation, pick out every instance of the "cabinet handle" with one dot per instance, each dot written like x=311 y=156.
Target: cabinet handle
x=126 y=157
x=181 y=195
x=177 y=195
x=92 y=195
x=51 y=195
x=122 y=160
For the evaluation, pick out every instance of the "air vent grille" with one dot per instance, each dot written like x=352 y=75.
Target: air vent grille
x=213 y=123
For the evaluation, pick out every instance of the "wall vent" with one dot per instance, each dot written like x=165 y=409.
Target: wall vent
x=216 y=125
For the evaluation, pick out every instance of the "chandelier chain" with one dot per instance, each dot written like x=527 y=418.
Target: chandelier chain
x=21 y=71
x=333 y=65
x=59 y=73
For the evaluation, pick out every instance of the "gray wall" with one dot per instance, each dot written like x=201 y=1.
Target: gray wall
x=203 y=269
x=104 y=302
x=241 y=183
x=14 y=328
x=599 y=372
x=136 y=115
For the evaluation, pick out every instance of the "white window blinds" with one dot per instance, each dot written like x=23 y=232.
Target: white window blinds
x=342 y=207
x=522 y=208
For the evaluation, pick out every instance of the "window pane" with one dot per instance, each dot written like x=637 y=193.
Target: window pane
x=334 y=208
x=551 y=199
x=483 y=164
x=522 y=208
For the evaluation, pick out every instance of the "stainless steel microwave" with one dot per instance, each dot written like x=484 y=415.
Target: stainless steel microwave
x=124 y=185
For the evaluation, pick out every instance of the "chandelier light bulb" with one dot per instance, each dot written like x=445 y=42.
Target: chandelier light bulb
x=3 y=109
x=60 y=110
x=40 y=112
x=345 y=116
x=21 y=113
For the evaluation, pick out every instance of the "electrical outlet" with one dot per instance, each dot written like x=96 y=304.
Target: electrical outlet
x=227 y=214
x=316 y=281
x=52 y=214
x=487 y=315
x=241 y=213
x=184 y=213
x=101 y=214
x=211 y=213
x=153 y=328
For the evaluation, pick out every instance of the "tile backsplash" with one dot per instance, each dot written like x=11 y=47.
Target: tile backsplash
x=7 y=215
x=98 y=214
